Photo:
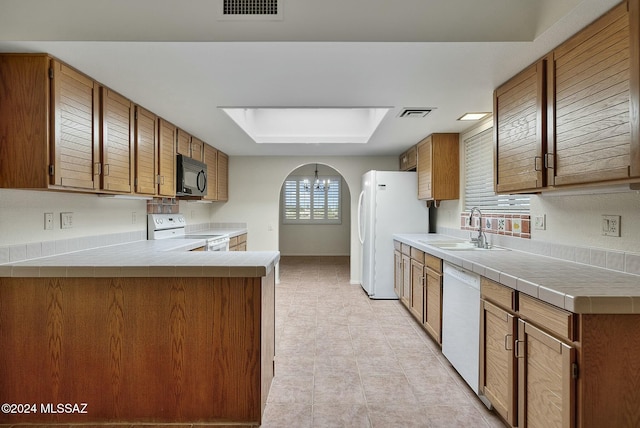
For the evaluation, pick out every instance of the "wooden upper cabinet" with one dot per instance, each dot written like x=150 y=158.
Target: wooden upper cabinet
x=146 y=151
x=223 y=177
x=438 y=167
x=589 y=79
x=211 y=159
x=167 y=134
x=197 y=149
x=183 y=143
x=408 y=159
x=520 y=131
x=117 y=142
x=49 y=116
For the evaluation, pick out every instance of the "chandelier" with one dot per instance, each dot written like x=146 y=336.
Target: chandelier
x=318 y=185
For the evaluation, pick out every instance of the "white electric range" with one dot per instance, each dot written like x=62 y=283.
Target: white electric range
x=173 y=226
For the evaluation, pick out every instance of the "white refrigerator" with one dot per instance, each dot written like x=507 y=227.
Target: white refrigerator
x=388 y=204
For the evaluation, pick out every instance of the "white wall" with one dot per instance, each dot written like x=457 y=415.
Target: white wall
x=318 y=239
x=254 y=195
x=573 y=218
x=22 y=215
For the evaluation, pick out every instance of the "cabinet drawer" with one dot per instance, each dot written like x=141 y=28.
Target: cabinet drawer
x=433 y=262
x=406 y=250
x=549 y=317
x=498 y=294
x=417 y=254
x=233 y=241
x=397 y=245
x=242 y=238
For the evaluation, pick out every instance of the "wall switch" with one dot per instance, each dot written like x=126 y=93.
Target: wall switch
x=611 y=225
x=66 y=220
x=48 y=221
x=540 y=222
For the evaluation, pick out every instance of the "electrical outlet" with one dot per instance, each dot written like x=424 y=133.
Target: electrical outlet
x=66 y=220
x=48 y=221
x=540 y=222
x=611 y=225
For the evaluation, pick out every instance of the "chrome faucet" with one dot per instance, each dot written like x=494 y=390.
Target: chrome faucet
x=481 y=240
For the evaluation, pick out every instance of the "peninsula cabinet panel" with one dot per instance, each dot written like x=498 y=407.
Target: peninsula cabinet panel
x=519 y=131
x=167 y=134
x=140 y=351
x=117 y=142
x=146 y=154
x=589 y=79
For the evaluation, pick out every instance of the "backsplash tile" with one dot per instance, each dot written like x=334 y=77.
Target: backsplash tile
x=516 y=225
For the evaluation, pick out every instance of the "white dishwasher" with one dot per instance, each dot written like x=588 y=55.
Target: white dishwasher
x=461 y=322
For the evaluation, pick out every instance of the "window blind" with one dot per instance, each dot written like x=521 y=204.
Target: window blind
x=303 y=203
x=479 y=182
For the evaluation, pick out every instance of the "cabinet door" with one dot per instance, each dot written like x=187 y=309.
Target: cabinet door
x=117 y=142
x=546 y=387
x=397 y=270
x=167 y=134
x=211 y=159
x=146 y=144
x=497 y=360
x=417 y=290
x=433 y=304
x=591 y=73
x=425 y=156
x=520 y=130
x=183 y=143
x=406 y=280
x=197 y=149
x=76 y=106
x=223 y=177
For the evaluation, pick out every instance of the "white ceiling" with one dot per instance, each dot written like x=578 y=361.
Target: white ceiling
x=179 y=60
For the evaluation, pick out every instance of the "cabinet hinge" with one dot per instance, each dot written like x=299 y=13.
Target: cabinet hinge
x=574 y=371
x=52 y=170
x=50 y=72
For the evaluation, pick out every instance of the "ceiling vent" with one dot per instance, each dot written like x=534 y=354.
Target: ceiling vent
x=250 y=10
x=415 y=112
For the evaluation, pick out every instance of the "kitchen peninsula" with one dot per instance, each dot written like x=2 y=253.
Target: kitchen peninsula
x=140 y=333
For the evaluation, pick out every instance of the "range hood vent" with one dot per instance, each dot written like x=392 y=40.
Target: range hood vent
x=250 y=9
x=415 y=112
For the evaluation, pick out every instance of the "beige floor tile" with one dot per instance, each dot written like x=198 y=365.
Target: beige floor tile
x=340 y=416
x=336 y=365
x=455 y=416
x=338 y=389
x=385 y=389
x=291 y=389
x=278 y=415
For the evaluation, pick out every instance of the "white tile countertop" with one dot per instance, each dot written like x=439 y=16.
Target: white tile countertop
x=572 y=286
x=159 y=258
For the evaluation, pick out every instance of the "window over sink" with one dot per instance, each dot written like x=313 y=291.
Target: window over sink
x=479 y=175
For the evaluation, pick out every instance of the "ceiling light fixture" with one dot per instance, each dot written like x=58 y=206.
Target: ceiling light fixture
x=321 y=185
x=473 y=116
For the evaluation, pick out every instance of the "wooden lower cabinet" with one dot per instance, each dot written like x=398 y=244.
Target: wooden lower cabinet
x=433 y=304
x=497 y=360
x=405 y=297
x=417 y=290
x=546 y=383
x=397 y=272
x=238 y=243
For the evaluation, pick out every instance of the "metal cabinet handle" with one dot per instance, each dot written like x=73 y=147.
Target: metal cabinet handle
x=517 y=349
x=538 y=166
x=507 y=342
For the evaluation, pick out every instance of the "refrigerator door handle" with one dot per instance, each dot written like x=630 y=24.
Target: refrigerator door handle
x=360 y=237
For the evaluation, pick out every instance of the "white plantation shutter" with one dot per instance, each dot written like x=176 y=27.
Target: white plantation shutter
x=479 y=190
x=306 y=204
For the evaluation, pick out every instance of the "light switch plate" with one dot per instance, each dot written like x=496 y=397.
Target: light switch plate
x=540 y=222
x=66 y=220
x=611 y=225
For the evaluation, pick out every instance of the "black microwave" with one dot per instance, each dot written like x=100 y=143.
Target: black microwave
x=191 y=177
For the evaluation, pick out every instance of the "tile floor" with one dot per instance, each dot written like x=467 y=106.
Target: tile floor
x=343 y=360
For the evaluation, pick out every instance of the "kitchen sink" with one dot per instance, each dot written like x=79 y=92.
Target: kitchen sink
x=459 y=246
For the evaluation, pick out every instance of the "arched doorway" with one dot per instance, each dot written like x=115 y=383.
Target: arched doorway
x=311 y=228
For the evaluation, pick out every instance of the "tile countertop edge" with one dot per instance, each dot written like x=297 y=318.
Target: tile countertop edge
x=582 y=302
